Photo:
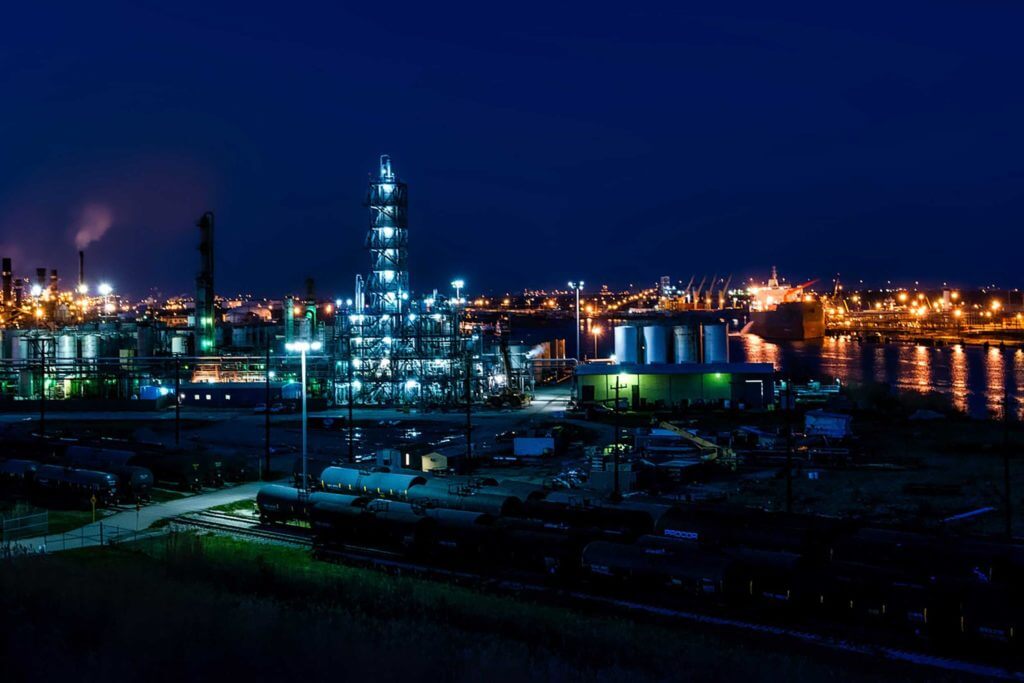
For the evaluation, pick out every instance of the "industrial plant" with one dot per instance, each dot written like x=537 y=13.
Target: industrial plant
x=384 y=345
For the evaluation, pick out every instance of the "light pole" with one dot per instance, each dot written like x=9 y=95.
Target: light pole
x=458 y=285
x=105 y=290
x=578 y=286
x=303 y=347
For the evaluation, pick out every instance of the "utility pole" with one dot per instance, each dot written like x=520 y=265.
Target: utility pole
x=266 y=415
x=351 y=424
x=469 y=409
x=177 y=400
x=42 y=388
x=616 y=491
x=789 y=443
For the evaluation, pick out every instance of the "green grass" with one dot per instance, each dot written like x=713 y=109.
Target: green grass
x=242 y=508
x=62 y=521
x=164 y=495
x=196 y=607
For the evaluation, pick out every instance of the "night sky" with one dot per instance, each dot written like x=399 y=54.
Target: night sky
x=541 y=142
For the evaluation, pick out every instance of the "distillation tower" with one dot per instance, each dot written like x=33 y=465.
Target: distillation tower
x=398 y=350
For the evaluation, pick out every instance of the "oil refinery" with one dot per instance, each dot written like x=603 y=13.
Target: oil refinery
x=383 y=345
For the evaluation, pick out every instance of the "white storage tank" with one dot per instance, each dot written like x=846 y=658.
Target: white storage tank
x=716 y=344
x=179 y=345
x=685 y=344
x=91 y=346
x=655 y=345
x=626 y=342
x=67 y=347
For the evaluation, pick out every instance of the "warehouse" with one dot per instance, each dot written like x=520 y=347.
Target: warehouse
x=665 y=385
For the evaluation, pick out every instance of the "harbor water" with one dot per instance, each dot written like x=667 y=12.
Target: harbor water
x=976 y=379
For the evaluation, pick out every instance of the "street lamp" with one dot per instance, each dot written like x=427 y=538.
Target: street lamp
x=458 y=285
x=578 y=286
x=302 y=347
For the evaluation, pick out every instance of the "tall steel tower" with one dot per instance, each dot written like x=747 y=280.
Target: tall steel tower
x=205 y=323
x=388 y=241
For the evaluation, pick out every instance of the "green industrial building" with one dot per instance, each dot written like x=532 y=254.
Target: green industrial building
x=665 y=385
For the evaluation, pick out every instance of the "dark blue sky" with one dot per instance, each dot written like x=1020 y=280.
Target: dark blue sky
x=541 y=142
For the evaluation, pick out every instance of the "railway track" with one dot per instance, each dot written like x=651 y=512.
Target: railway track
x=243 y=528
x=396 y=563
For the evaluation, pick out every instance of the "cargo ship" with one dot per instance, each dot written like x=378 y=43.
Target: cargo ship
x=781 y=312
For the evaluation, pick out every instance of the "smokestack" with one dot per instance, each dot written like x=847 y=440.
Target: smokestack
x=7 y=281
x=41 y=278
x=53 y=282
x=81 y=271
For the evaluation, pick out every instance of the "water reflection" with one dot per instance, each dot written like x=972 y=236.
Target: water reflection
x=976 y=379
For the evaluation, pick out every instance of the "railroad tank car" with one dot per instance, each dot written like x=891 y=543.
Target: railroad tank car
x=652 y=569
x=923 y=556
x=136 y=482
x=624 y=523
x=280 y=504
x=16 y=476
x=391 y=525
x=463 y=537
x=474 y=500
x=520 y=489
x=723 y=525
x=359 y=482
x=76 y=486
x=178 y=470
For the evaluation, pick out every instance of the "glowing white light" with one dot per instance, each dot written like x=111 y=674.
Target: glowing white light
x=387 y=233
x=411 y=385
x=357 y=385
x=105 y=289
x=388 y=275
x=387 y=340
x=36 y=290
x=303 y=346
x=337 y=303
x=412 y=317
x=458 y=284
x=83 y=288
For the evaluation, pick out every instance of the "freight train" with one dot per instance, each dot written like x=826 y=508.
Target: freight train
x=59 y=485
x=946 y=592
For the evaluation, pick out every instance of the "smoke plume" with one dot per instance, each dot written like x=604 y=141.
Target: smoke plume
x=93 y=222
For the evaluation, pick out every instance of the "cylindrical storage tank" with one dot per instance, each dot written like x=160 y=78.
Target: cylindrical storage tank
x=625 y=344
x=144 y=341
x=655 y=346
x=685 y=344
x=716 y=344
x=91 y=346
x=179 y=347
x=66 y=347
x=19 y=348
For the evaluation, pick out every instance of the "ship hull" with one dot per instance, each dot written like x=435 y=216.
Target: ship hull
x=795 y=320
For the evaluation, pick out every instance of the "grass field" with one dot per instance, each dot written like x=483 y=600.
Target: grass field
x=188 y=607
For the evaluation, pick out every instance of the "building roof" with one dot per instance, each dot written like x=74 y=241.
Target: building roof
x=675 y=368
